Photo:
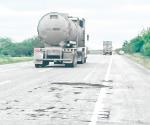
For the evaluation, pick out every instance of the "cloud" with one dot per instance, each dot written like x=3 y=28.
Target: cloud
x=110 y=19
x=136 y=8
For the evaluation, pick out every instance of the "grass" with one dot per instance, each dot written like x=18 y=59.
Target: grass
x=8 y=59
x=139 y=58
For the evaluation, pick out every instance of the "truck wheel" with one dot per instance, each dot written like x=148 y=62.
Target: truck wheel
x=45 y=63
x=37 y=65
x=67 y=65
x=82 y=60
x=85 y=60
x=74 y=64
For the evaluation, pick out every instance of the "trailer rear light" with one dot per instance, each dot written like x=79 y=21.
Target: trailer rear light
x=37 y=49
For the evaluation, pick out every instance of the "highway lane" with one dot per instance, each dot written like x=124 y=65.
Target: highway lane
x=17 y=82
x=70 y=96
x=129 y=99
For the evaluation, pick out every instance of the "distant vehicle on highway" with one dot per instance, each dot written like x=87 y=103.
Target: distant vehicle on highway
x=107 y=47
x=64 y=40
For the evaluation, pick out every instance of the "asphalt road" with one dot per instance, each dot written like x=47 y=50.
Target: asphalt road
x=107 y=90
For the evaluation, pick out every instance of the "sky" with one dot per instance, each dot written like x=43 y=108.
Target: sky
x=114 y=20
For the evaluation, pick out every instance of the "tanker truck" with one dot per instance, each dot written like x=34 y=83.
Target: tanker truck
x=64 y=40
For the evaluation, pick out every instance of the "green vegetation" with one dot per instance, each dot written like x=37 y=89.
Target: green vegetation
x=141 y=59
x=8 y=59
x=139 y=44
x=24 y=48
x=138 y=48
x=11 y=51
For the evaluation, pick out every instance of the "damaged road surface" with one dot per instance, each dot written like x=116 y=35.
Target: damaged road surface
x=54 y=103
x=107 y=90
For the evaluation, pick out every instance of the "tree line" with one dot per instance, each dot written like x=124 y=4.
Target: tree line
x=139 y=44
x=16 y=49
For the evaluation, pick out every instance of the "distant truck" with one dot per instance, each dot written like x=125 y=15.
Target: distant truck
x=64 y=40
x=107 y=47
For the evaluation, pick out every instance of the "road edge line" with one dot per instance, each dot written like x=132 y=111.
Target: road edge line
x=101 y=96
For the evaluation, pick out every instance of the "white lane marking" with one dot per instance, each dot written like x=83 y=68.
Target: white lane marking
x=89 y=75
x=108 y=70
x=99 y=104
x=8 y=70
x=5 y=82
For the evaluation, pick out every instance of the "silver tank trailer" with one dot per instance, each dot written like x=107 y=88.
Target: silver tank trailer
x=54 y=29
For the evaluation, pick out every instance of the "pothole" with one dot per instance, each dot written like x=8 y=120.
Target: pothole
x=52 y=107
x=77 y=92
x=40 y=110
x=58 y=95
x=107 y=80
x=79 y=87
x=104 y=114
x=54 y=88
x=79 y=84
x=88 y=100
x=62 y=108
x=7 y=108
x=32 y=115
x=85 y=120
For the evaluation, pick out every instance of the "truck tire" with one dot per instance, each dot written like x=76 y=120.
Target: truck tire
x=67 y=65
x=45 y=63
x=84 y=60
x=74 y=63
x=37 y=65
